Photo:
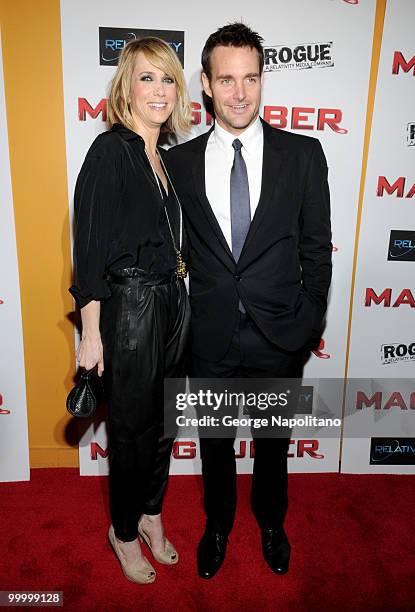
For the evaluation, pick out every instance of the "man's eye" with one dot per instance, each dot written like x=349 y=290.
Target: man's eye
x=226 y=81
x=252 y=80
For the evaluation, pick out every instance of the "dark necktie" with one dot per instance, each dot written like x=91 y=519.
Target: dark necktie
x=240 y=208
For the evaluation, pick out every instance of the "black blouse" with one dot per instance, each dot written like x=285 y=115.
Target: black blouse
x=119 y=215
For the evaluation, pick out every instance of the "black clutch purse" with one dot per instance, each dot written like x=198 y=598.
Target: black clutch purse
x=87 y=395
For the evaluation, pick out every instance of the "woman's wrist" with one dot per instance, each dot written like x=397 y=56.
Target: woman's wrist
x=91 y=335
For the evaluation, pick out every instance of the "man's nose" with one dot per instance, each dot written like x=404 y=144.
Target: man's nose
x=239 y=92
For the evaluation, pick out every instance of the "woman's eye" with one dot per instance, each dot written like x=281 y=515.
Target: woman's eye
x=168 y=80
x=146 y=77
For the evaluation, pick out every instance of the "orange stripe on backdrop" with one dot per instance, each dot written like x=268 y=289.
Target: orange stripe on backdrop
x=32 y=58
x=374 y=68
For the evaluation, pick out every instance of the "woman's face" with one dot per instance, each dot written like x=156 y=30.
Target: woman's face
x=153 y=94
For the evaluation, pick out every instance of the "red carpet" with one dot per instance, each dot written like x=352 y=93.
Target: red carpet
x=352 y=539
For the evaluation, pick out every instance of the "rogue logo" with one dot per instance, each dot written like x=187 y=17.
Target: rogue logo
x=113 y=40
x=307 y=55
x=401 y=245
x=410 y=138
x=405 y=297
x=398 y=186
x=392 y=353
x=379 y=402
x=400 y=63
x=392 y=451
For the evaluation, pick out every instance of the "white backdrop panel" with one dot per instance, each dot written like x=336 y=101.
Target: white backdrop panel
x=14 y=449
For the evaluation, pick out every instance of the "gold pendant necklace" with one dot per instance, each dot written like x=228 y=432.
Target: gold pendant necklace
x=181 y=270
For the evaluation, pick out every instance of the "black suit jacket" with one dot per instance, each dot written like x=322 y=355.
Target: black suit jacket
x=284 y=271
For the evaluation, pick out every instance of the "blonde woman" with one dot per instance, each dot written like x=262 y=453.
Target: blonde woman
x=129 y=270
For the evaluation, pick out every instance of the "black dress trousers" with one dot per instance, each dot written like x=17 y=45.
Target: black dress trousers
x=144 y=328
x=250 y=355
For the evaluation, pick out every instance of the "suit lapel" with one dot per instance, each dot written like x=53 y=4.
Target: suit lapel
x=271 y=169
x=273 y=156
x=199 y=177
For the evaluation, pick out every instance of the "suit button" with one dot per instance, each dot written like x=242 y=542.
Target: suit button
x=237 y=277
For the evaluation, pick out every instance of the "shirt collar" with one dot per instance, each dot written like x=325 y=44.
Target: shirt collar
x=125 y=132
x=249 y=138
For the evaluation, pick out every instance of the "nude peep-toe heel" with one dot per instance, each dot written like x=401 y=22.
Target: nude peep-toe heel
x=169 y=556
x=141 y=572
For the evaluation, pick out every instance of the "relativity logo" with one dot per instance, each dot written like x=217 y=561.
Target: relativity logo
x=298 y=57
x=401 y=245
x=392 y=451
x=113 y=40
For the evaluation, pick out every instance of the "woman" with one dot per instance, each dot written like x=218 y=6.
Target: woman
x=129 y=286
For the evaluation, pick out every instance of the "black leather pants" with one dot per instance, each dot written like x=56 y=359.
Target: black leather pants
x=144 y=327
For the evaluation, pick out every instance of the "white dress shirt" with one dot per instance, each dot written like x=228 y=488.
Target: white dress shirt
x=218 y=164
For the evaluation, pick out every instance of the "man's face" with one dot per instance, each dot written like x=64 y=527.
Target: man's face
x=235 y=87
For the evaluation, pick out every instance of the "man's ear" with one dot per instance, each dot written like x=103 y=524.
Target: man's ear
x=206 y=85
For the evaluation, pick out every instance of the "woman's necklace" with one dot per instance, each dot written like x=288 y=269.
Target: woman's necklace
x=181 y=269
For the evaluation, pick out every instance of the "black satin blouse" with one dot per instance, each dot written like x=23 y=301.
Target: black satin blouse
x=119 y=215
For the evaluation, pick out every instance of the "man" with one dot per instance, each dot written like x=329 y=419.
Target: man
x=257 y=209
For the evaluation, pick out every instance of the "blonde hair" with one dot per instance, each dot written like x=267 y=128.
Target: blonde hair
x=161 y=55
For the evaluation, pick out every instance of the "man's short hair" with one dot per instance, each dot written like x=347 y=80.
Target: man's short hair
x=232 y=35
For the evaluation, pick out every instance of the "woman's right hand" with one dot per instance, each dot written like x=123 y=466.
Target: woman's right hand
x=90 y=353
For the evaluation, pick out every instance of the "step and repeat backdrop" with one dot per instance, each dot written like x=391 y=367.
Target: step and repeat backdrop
x=316 y=83
x=318 y=67
x=381 y=393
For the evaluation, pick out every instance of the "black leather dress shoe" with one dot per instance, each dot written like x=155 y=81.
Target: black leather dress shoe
x=276 y=549
x=211 y=553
